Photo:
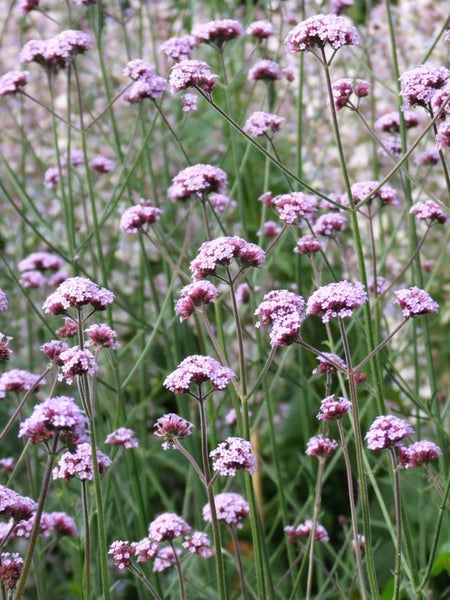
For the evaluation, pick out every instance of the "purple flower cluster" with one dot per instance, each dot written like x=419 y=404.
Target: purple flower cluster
x=198 y=543
x=235 y=453
x=304 y=530
x=332 y=408
x=344 y=88
x=231 y=509
x=189 y=102
x=195 y=296
x=76 y=292
x=390 y=122
x=59 y=416
x=365 y=189
x=18 y=380
x=418 y=454
x=329 y=363
x=171 y=426
x=102 y=164
x=308 y=244
x=12 y=82
x=320 y=31
x=284 y=311
x=179 y=48
x=191 y=73
x=146 y=83
x=329 y=224
x=443 y=135
x=429 y=211
x=414 y=302
x=167 y=526
x=220 y=252
x=196 y=370
x=5 y=351
x=260 y=123
x=387 y=431
x=123 y=437
x=136 y=218
x=265 y=70
x=58 y=52
x=121 y=553
x=79 y=464
x=76 y=361
x=10 y=569
x=338 y=299
x=100 y=335
x=198 y=180
x=294 y=207
x=3 y=301
x=260 y=29
x=420 y=85
x=217 y=32
x=14 y=505
x=320 y=446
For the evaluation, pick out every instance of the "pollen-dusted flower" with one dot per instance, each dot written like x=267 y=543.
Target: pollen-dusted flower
x=220 y=251
x=189 y=102
x=19 y=380
x=320 y=446
x=429 y=211
x=100 y=335
x=304 y=529
x=265 y=70
x=167 y=526
x=79 y=464
x=319 y=31
x=443 y=135
x=198 y=543
x=10 y=569
x=124 y=437
x=294 y=207
x=59 y=416
x=191 y=73
x=12 y=82
x=14 y=505
x=308 y=244
x=235 y=453
x=197 y=369
x=5 y=351
x=421 y=84
x=417 y=454
x=3 y=301
x=76 y=292
x=165 y=559
x=137 y=218
x=171 y=426
x=179 y=48
x=198 y=179
x=414 y=302
x=336 y=300
x=260 y=123
x=329 y=224
x=121 y=552
x=195 y=296
x=58 y=52
x=387 y=431
x=260 y=29
x=284 y=311
x=390 y=122
x=230 y=508
x=332 y=408
x=217 y=32
x=329 y=363
x=76 y=361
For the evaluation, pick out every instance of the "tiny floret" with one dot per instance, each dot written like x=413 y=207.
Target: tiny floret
x=319 y=31
x=196 y=370
x=235 y=453
x=414 y=302
x=171 y=426
x=336 y=300
x=230 y=508
x=387 y=431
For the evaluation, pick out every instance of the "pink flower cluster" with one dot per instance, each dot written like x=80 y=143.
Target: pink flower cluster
x=10 y=569
x=320 y=446
x=146 y=83
x=171 y=426
x=58 y=52
x=198 y=543
x=429 y=211
x=79 y=463
x=304 y=530
x=12 y=82
x=365 y=189
x=387 y=431
x=137 y=218
x=123 y=437
x=14 y=505
x=420 y=85
x=217 y=32
x=262 y=123
x=59 y=416
x=336 y=300
x=344 y=88
x=308 y=244
x=32 y=270
x=284 y=311
x=76 y=292
x=76 y=361
x=195 y=296
x=294 y=207
x=233 y=454
x=179 y=48
x=319 y=31
x=220 y=252
x=100 y=335
x=196 y=370
x=418 y=454
x=329 y=363
x=332 y=408
x=265 y=70
x=167 y=526
x=260 y=29
x=390 y=122
x=329 y=224
x=191 y=73
x=443 y=135
x=198 y=180
x=414 y=302
x=19 y=380
x=230 y=508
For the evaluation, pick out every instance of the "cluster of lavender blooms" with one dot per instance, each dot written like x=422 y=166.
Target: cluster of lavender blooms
x=217 y=32
x=320 y=446
x=198 y=180
x=165 y=528
x=343 y=89
x=192 y=74
x=329 y=363
x=195 y=296
x=170 y=427
x=304 y=530
x=429 y=212
x=19 y=380
x=235 y=453
x=283 y=310
x=76 y=292
x=262 y=123
x=231 y=509
x=265 y=70
x=295 y=207
x=146 y=84
x=11 y=83
x=320 y=31
x=58 y=52
x=139 y=217
x=369 y=190
x=221 y=251
x=332 y=408
x=338 y=299
x=124 y=437
x=10 y=569
x=33 y=270
x=100 y=164
x=58 y=523
x=415 y=302
x=196 y=370
x=79 y=463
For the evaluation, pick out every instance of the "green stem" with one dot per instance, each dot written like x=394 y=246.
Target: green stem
x=312 y=535
x=398 y=526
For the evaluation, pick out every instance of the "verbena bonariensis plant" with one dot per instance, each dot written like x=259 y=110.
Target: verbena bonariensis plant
x=223 y=300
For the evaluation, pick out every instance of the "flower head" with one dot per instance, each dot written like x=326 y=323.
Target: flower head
x=193 y=296
x=260 y=29
x=284 y=311
x=198 y=180
x=189 y=102
x=167 y=526
x=332 y=408
x=171 y=426
x=191 y=73
x=387 y=431
x=319 y=31
x=320 y=446
x=121 y=552
x=329 y=224
x=165 y=558
x=308 y=244
x=265 y=70
x=421 y=84
x=102 y=164
x=304 y=529
x=59 y=416
x=10 y=569
x=419 y=453
x=137 y=218
x=260 y=123
x=443 y=135
x=414 y=302
x=58 y=52
x=220 y=252
x=390 y=122
x=294 y=207
x=365 y=189
x=101 y=335
x=145 y=549
x=336 y=300
x=217 y=32
x=14 y=505
x=5 y=351
x=197 y=369
x=329 y=363
x=79 y=463
x=429 y=211
x=12 y=82
x=231 y=509
x=179 y=48
x=198 y=543
x=76 y=361
x=344 y=88
x=19 y=380
x=124 y=437
x=76 y=292
x=235 y=453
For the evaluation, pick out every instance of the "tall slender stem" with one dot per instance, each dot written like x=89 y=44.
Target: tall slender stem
x=398 y=526
x=312 y=541
x=239 y=561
